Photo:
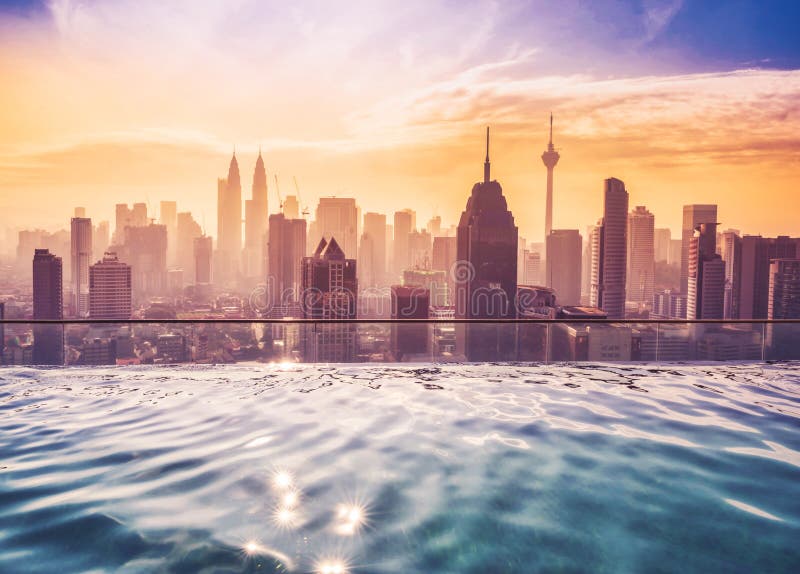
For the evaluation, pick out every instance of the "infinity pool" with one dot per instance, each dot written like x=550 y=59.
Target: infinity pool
x=479 y=468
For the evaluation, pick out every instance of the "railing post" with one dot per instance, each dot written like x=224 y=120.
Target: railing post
x=763 y=341
x=658 y=341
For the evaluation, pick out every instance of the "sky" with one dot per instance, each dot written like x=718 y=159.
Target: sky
x=119 y=101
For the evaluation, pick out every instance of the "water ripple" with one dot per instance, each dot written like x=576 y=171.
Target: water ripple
x=388 y=468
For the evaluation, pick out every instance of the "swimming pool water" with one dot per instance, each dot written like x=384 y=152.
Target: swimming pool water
x=393 y=468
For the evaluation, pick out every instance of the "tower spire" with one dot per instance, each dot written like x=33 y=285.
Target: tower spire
x=550 y=145
x=486 y=165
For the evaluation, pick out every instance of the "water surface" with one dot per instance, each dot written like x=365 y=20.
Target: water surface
x=456 y=468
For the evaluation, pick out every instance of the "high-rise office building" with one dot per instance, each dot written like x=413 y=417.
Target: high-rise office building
x=202 y=251
x=705 y=298
x=47 y=286
x=81 y=257
x=330 y=291
x=661 y=244
x=256 y=213
x=641 y=256
x=486 y=281
x=751 y=273
x=609 y=251
x=372 y=252
x=291 y=207
x=110 y=289
x=532 y=268
x=145 y=249
x=586 y=266
x=128 y=217
x=404 y=224
x=550 y=158
x=443 y=258
x=187 y=231
x=410 y=340
x=693 y=215
x=784 y=289
x=564 y=265
x=731 y=252
x=287 y=248
x=434 y=226
x=101 y=237
x=336 y=217
x=229 y=223
x=48 y=340
x=168 y=216
x=419 y=250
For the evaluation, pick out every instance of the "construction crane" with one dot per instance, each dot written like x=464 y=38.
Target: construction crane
x=278 y=191
x=304 y=212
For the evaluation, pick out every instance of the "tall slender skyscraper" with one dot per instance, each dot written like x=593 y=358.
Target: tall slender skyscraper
x=255 y=230
x=486 y=283
x=372 y=252
x=550 y=159
x=48 y=340
x=201 y=248
x=169 y=217
x=705 y=298
x=784 y=289
x=641 y=256
x=229 y=222
x=337 y=217
x=81 y=252
x=693 y=215
x=609 y=250
x=564 y=265
x=404 y=224
x=287 y=248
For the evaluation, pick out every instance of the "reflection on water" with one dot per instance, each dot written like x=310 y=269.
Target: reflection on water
x=461 y=468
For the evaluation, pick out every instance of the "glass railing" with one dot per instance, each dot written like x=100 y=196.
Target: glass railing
x=217 y=341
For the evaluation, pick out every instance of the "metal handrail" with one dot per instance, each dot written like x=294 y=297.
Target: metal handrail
x=398 y=321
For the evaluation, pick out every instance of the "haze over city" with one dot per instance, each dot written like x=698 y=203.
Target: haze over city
x=120 y=102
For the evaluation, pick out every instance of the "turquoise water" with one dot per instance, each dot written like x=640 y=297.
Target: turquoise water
x=490 y=468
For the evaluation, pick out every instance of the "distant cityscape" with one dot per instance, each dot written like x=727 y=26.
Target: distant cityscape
x=343 y=264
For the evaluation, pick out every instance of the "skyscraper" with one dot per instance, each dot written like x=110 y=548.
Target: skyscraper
x=169 y=218
x=486 y=282
x=187 y=231
x=641 y=256
x=202 y=251
x=661 y=244
x=47 y=286
x=287 y=248
x=784 y=289
x=705 y=298
x=372 y=251
x=404 y=224
x=564 y=265
x=128 y=217
x=110 y=289
x=255 y=230
x=693 y=215
x=330 y=291
x=550 y=159
x=731 y=251
x=229 y=223
x=48 y=340
x=145 y=249
x=81 y=256
x=337 y=217
x=609 y=250
x=752 y=272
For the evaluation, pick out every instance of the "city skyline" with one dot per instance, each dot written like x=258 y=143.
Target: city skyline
x=703 y=124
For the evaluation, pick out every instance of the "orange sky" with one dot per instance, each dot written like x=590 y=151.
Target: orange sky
x=121 y=102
